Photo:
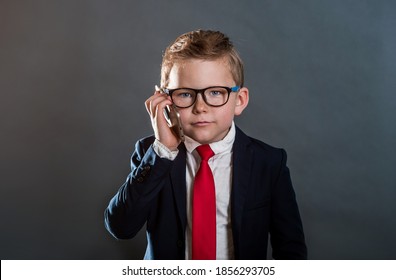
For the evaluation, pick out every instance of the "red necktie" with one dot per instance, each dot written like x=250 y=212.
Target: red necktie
x=204 y=209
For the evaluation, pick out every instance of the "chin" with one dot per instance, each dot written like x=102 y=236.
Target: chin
x=205 y=135
x=204 y=139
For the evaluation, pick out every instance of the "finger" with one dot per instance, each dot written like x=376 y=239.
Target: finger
x=148 y=100
x=156 y=101
x=160 y=106
x=147 y=105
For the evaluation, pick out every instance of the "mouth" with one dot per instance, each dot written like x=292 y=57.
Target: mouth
x=201 y=123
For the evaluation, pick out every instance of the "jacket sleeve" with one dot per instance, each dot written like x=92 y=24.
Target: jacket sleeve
x=129 y=209
x=287 y=236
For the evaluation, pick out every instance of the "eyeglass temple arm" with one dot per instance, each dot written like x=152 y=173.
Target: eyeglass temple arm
x=235 y=89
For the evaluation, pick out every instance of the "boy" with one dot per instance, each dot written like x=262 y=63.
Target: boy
x=225 y=205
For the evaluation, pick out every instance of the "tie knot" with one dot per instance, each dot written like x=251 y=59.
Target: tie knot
x=205 y=152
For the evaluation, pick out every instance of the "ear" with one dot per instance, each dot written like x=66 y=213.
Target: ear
x=242 y=101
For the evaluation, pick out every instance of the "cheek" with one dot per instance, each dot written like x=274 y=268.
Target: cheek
x=184 y=115
x=231 y=109
x=225 y=116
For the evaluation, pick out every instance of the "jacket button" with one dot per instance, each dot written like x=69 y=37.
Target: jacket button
x=179 y=243
x=145 y=171
x=140 y=179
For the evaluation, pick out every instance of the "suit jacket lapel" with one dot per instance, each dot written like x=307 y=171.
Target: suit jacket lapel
x=242 y=160
x=178 y=182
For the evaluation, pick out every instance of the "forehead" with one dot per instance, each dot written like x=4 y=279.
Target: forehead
x=196 y=73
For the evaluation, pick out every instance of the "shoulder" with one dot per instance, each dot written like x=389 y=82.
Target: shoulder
x=142 y=146
x=144 y=143
x=260 y=149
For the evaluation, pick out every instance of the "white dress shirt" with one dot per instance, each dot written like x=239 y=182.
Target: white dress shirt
x=221 y=166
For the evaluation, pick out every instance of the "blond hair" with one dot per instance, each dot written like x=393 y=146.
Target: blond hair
x=205 y=45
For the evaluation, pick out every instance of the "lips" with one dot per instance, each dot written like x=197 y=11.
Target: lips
x=201 y=123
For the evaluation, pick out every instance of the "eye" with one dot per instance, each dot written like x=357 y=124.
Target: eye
x=183 y=94
x=215 y=93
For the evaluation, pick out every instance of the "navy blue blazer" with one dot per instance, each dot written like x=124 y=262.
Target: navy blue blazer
x=263 y=202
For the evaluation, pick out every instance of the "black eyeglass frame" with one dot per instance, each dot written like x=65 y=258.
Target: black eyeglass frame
x=202 y=91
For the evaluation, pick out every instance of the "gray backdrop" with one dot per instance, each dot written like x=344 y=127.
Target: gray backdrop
x=74 y=76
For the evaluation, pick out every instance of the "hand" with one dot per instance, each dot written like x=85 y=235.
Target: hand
x=155 y=107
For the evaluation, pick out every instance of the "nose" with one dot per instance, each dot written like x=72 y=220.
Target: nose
x=200 y=104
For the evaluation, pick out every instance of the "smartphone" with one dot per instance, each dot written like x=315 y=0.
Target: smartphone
x=172 y=117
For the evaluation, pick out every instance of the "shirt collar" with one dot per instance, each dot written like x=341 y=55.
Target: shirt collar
x=222 y=146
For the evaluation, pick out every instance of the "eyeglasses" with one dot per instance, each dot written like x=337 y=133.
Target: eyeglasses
x=213 y=96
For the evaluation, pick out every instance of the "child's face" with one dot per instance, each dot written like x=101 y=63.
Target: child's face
x=201 y=122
